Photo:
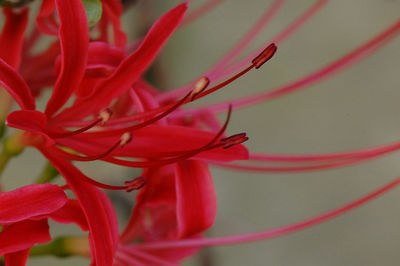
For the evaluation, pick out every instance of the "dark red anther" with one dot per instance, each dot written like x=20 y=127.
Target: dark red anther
x=135 y=184
x=234 y=140
x=264 y=56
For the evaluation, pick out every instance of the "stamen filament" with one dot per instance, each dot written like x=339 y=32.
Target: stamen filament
x=102 y=118
x=125 y=138
x=262 y=235
x=112 y=132
x=257 y=62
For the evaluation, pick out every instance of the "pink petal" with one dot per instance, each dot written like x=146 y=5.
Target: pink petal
x=98 y=210
x=16 y=86
x=196 y=199
x=74 y=41
x=29 y=201
x=18 y=258
x=13 y=36
x=132 y=67
x=23 y=235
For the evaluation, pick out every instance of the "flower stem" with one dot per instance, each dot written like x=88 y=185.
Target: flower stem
x=3 y=162
x=2 y=128
x=63 y=247
x=48 y=174
x=12 y=146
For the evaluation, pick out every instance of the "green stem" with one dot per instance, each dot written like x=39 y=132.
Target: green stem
x=47 y=175
x=63 y=247
x=3 y=162
x=12 y=146
x=2 y=129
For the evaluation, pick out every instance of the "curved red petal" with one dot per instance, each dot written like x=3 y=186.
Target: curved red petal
x=196 y=199
x=71 y=212
x=18 y=258
x=30 y=201
x=154 y=141
x=16 y=86
x=45 y=20
x=113 y=10
x=132 y=67
x=22 y=235
x=13 y=36
x=74 y=41
x=100 y=215
x=30 y=121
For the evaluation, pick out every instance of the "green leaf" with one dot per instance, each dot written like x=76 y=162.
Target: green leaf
x=93 y=9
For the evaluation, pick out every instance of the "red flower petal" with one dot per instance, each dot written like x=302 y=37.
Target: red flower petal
x=18 y=258
x=154 y=141
x=71 y=212
x=74 y=41
x=132 y=67
x=13 y=36
x=38 y=70
x=196 y=199
x=45 y=20
x=16 y=86
x=98 y=210
x=29 y=201
x=23 y=235
x=154 y=215
x=113 y=10
x=31 y=121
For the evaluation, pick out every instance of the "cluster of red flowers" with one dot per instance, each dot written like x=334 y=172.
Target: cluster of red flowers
x=102 y=108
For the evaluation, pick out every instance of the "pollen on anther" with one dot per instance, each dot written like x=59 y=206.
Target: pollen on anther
x=105 y=115
x=125 y=138
x=264 y=56
x=200 y=86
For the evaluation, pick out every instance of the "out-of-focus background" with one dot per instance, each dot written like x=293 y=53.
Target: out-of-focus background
x=355 y=109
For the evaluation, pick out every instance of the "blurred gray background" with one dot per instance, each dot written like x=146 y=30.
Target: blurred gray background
x=355 y=109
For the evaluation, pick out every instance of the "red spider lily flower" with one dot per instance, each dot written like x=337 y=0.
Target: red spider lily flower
x=170 y=143
x=24 y=213
x=177 y=200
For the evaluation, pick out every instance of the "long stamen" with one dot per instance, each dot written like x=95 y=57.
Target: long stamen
x=211 y=142
x=151 y=163
x=125 y=138
x=336 y=66
x=182 y=155
x=257 y=62
x=262 y=235
x=112 y=132
x=200 y=11
x=197 y=93
x=102 y=118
